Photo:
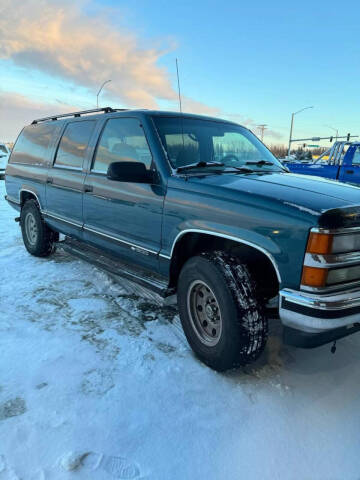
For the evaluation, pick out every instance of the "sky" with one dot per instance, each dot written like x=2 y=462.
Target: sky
x=251 y=62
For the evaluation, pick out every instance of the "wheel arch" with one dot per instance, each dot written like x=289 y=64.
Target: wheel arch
x=260 y=262
x=26 y=194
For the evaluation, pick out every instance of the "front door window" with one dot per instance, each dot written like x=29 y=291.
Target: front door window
x=122 y=139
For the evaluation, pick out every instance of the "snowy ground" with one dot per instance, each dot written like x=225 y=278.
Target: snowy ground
x=99 y=383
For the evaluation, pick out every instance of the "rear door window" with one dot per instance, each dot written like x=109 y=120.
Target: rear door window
x=122 y=139
x=74 y=143
x=32 y=146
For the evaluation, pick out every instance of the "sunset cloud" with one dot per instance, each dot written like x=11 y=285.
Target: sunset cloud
x=17 y=110
x=57 y=38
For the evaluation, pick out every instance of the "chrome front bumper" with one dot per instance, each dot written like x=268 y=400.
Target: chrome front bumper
x=314 y=313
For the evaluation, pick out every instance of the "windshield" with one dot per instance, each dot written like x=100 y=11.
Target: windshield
x=189 y=141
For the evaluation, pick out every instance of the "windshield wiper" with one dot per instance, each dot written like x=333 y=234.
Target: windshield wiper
x=199 y=165
x=260 y=163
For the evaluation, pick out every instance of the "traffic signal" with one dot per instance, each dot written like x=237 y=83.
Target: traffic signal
x=348 y=137
x=304 y=145
x=331 y=139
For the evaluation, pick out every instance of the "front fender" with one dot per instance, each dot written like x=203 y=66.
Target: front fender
x=279 y=230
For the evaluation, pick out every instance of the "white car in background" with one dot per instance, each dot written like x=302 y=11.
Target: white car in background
x=4 y=157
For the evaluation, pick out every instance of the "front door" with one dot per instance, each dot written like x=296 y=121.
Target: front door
x=123 y=217
x=350 y=170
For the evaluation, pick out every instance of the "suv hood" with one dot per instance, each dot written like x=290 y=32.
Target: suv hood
x=314 y=194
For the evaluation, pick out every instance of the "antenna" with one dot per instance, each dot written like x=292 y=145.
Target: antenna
x=178 y=81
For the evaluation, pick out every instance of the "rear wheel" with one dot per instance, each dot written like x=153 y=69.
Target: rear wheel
x=221 y=315
x=38 y=238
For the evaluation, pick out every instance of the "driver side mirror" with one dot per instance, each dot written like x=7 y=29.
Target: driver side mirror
x=134 y=172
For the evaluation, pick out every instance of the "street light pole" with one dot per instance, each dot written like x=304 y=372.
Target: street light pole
x=292 y=124
x=97 y=96
x=291 y=130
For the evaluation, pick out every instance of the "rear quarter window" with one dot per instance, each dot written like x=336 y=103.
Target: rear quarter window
x=32 y=146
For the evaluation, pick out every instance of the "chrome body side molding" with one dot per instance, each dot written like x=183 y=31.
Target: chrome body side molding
x=228 y=237
x=133 y=246
x=29 y=191
x=61 y=219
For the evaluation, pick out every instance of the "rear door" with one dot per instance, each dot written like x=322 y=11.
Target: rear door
x=64 y=188
x=123 y=217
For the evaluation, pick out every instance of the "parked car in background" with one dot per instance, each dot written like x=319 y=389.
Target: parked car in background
x=197 y=209
x=341 y=162
x=4 y=157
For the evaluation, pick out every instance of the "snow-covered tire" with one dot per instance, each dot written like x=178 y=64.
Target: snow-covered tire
x=38 y=238
x=240 y=325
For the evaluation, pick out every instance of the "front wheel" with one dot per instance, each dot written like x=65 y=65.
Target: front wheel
x=222 y=318
x=38 y=238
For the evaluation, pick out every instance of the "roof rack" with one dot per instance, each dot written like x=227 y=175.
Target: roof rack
x=78 y=114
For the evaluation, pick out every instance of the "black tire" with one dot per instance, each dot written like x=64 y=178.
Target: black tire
x=244 y=326
x=41 y=242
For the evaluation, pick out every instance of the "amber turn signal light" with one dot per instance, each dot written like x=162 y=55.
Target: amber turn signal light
x=314 y=277
x=320 y=243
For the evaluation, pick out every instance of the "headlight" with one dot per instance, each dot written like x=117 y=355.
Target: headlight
x=343 y=275
x=346 y=243
x=318 y=273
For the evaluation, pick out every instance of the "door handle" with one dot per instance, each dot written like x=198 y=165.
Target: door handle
x=88 y=188
x=49 y=180
x=349 y=171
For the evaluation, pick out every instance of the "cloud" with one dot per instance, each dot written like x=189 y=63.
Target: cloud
x=268 y=132
x=58 y=38
x=193 y=106
x=273 y=134
x=17 y=110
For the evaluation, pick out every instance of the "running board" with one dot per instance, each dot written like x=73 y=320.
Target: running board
x=115 y=266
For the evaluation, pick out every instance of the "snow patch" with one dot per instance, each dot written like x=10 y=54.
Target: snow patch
x=97 y=382
x=116 y=467
x=167 y=416
x=12 y=408
x=71 y=461
x=2 y=463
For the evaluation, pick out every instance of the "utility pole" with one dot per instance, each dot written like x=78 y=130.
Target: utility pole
x=335 y=130
x=292 y=124
x=262 y=129
x=97 y=95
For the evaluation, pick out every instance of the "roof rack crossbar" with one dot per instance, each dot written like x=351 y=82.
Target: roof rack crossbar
x=76 y=114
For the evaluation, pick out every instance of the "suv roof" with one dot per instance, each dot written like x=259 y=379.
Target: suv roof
x=114 y=110
x=77 y=114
